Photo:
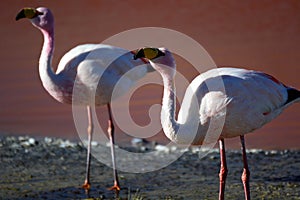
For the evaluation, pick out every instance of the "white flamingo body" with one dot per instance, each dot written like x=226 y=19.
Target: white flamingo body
x=93 y=69
x=247 y=99
x=89 y=62
x=251 y=99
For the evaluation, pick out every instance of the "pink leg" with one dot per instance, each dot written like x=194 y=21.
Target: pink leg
x=246 y=173
x=87 y=184
x=110 y=131
x=223 y=169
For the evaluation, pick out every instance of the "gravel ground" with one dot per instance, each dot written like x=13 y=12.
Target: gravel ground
x=51 y=168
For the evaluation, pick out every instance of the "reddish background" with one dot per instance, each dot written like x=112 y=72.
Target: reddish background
x=260 y=35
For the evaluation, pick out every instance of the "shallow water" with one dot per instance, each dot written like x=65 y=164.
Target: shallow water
x=256 y=35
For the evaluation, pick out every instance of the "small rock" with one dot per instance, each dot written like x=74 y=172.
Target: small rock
x=66 y=143
x=15 y=145
x=174 y=148
x=272 y=152
x=94 y=143
x=22 y=138
x=213 y=157
x=32 y=141
x=11 y=139
x=107 y=144
x=48 y=140
x=162 y=148
x=25 y=144
x=143 y=148
x=254 y=151
x=137 y=142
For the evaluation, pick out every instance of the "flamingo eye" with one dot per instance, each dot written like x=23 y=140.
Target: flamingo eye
x=39 y=13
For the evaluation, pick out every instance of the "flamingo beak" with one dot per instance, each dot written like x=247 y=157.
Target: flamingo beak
x=149 y=53
x=139 y=54
x=28 y=13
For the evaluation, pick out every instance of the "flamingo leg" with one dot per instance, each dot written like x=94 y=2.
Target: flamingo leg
x=87 y=184
x=223 y=169
x=110 y=131
x=246 y=173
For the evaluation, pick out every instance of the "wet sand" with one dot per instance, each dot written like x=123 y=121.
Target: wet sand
x=48 y=168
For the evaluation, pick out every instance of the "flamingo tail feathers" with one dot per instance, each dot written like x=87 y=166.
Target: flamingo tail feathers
x=293 y=95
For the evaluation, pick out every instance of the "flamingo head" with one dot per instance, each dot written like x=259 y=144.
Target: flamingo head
x=161 y=59
x=40 y=17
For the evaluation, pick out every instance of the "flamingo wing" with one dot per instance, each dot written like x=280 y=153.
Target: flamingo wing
x=97 y=69
x=80 y=53
x=256 y=99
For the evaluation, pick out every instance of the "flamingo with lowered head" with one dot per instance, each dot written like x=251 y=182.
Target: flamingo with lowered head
x=250 y=100
x=85 y=64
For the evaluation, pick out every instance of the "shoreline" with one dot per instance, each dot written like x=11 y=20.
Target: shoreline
x=54 y=169
x=230 y=143
x=138 y=144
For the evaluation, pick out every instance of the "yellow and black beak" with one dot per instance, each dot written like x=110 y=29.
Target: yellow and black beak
x=28 y=13
x=149 y=53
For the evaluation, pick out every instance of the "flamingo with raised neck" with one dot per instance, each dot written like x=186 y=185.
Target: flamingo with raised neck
x=80 y=70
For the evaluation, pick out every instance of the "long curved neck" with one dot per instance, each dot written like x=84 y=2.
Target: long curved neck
x=50 y=80
x=185 y=130
x=169 y=124
x=48 y=77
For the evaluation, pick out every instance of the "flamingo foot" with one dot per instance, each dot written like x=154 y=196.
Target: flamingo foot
x=86 y=186
x=115 y=187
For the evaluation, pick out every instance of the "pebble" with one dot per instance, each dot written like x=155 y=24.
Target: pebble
x=66 y=143
x=15 y=146
x=27 y=142
x=254 y=151
x=272 y=152
x=137 y=141
x=32 y=141
x=174 y=148
x=162 y=148
x=94 y=143
x=48 y=140
x=22 y=138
